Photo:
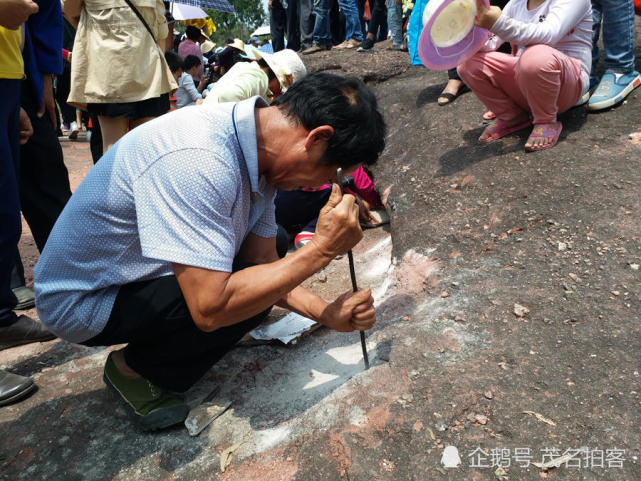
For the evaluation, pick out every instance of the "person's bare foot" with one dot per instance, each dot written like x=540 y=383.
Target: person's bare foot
x=490 y=130
x=121 y=365
x=543 y=136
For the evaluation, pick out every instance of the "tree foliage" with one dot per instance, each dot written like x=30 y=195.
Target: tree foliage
x=250 y=14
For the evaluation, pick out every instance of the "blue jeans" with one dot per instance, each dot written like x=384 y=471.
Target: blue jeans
x=322 y=34
x=10 y=221
x=395 y=22
x=617 y=17
x=353 y=29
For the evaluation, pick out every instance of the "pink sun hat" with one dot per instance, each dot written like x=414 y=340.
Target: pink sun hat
x=449 y=36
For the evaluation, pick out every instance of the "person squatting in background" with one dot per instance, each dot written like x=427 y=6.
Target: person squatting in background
x=548 y=74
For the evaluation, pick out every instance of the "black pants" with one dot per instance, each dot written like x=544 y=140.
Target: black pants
x=43 y=179
x=164 y=345
x=378 y=17
x=277 y=22
x=293 y=25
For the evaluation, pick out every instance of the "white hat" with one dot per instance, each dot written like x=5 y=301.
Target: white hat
x=287 y=66
x=238 y=44
x=207 y=46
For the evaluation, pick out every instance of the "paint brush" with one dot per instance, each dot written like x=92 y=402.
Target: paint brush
x=352 y=273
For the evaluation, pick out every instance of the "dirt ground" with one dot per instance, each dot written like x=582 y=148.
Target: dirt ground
x=508 y=299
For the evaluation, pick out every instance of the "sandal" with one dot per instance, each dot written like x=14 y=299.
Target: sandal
x=449 y=98
x=499 y=129
x=545 y=131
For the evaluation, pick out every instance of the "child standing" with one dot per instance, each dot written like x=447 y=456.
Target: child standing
x=548 y=73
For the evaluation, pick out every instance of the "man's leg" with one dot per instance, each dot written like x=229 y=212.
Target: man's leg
x=44 y=180
x=9 y=200
x=322 y=37
x=277 y=20
x=620 y=78
x=165 y=352
x=293 y=25
x=306 y=23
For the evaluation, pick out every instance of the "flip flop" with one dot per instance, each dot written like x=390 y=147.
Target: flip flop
x=498 y=129
x=545 y=131
x=451 y=97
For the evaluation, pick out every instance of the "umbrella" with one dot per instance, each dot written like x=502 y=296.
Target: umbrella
x=187 y=12
x=220 y=5
x=261 y=31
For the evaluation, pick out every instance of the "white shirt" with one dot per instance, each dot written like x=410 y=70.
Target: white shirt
x=565 y=25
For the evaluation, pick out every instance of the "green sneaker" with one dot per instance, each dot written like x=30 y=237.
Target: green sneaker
x=148 y=405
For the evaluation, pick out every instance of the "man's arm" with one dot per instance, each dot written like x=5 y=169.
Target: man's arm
x=216 y=299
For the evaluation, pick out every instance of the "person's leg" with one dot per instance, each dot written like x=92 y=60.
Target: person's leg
x=9 y=199
x=618 y=35
x=377 y=19
x=452 y=88
x=112 y=129
x=322 y=39
x=597 y=17
x=395 y=22
x=353 y=34
x=551 y=83
x=44 y=180
x=277 y=18
x=491 y=76
x=620 y=77
x=293 y=28
x=95 y=143
x=306 y=23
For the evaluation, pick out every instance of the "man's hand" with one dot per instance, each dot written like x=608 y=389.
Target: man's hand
x=351 y=311
x=486 y=17
x=48 y=103
x=26 y=130
x=338 y=228
x=14 y=13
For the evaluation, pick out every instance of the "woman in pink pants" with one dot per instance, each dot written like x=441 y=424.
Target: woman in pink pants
x=548 y=73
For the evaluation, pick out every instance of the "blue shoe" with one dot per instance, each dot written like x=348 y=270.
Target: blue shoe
x=612 y=89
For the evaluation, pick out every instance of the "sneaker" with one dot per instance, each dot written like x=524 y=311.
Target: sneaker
x=302 y=238
x=26 y=298
x=612 y=89
x=583 y=100
x=316 y=48
x=397 y=48
x=73 y=131
x=65 y=128
x=150 y=406
x=24 y=331
x=366 y=46
x=348 y=44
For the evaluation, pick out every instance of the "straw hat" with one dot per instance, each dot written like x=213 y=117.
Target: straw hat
x=287 y=66
x=207 y=46
x=238 y=44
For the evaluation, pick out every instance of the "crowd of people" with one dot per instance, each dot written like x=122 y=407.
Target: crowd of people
x=175 y=242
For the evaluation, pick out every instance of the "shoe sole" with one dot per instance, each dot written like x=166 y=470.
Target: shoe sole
x=18 y=396
x=7 y=345
x=73 y=135
x=23 y=306
x=604 y=104
x=154 y=421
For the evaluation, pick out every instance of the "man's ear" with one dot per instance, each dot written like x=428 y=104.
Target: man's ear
x=321 y=134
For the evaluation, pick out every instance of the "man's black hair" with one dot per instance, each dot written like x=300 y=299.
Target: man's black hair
x=192 y=33
x=174 y=61
x=190 y=61
x=346 y=104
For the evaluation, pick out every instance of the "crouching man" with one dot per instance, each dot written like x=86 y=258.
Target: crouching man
x=169 y=244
